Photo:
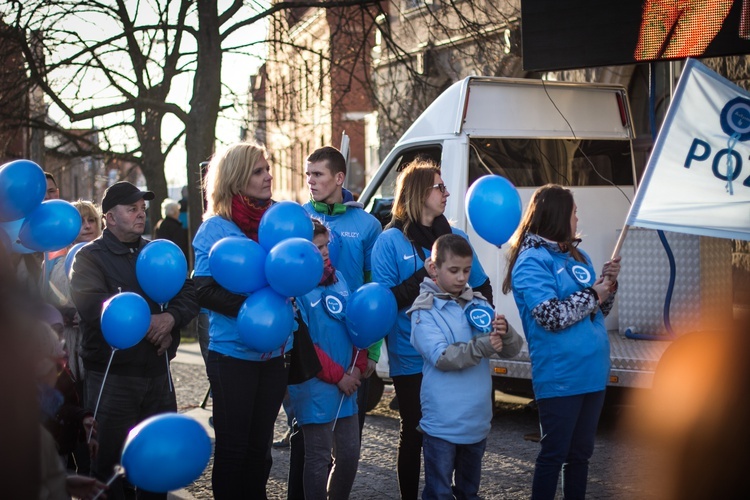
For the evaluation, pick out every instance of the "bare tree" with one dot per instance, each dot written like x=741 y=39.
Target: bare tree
x=124 y=64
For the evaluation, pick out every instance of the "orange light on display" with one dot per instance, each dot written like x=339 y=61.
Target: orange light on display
x=567 y=34
x=674 y=29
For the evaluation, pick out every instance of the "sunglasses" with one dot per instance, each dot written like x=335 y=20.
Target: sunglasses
x=440 y=186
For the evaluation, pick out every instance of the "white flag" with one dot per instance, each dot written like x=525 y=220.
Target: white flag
x=705 y=134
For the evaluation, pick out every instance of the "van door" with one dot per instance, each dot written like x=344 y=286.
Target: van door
x=381 y=202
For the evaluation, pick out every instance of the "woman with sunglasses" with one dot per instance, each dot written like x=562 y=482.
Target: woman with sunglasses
x=398 y=260
x=562 y=304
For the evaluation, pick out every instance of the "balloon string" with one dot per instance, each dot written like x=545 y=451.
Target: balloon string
x=45 y=275
x=169 y=373
x=119 y=471
x=101 y=389
x=351 y=369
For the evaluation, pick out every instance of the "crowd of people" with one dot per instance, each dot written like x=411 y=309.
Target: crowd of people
x=446 y=330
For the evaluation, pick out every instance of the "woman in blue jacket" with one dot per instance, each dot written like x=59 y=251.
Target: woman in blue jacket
x=398 y=262
x=562 y=306
x=247 y=386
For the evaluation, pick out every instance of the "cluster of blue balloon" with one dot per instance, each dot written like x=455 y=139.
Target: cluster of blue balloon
x=493 y=207
x=161 y=269
x=31 y=224
x=165 y=452
x=284 y=264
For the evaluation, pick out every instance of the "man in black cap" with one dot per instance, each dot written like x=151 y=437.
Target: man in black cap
x=138 y=382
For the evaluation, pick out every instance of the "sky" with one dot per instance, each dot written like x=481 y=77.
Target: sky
x=236 y=72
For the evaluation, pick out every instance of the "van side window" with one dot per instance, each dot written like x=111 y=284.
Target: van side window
x=382 y=201
x=535 y=162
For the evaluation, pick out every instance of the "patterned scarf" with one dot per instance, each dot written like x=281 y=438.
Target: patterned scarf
x=246 y=213
x=329 y=274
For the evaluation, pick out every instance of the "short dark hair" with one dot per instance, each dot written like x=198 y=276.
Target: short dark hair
x=318 y=227
x=336 y=160
x=450 y=244
x=50 y=177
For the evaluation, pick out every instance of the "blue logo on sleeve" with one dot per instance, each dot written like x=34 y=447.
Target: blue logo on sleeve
x=581 y=273
x=334 y=305
x=480 y=317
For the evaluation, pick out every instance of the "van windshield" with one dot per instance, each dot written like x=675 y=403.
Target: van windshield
x=536 y=162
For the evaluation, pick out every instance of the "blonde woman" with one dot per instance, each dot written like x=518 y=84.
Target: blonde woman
x=247 y=386
x=59 y=284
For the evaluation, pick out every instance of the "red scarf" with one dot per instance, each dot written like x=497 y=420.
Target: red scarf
x=329 y=274
x=246 y=213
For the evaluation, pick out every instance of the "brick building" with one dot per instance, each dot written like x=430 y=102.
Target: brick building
x=315 y=89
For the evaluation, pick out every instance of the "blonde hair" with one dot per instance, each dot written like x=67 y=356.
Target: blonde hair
x=228 y=173
x=412 y=190
x=89 y=209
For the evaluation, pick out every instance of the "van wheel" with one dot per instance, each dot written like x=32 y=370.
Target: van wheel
x=374 y=392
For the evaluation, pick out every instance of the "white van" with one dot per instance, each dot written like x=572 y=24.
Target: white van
x=532 y=132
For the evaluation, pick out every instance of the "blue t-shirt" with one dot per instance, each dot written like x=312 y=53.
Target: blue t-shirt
x=574 y=360
x=457 y=404
x=222 y=330
x=394 y=259
x=356 y=230
x=316 y=401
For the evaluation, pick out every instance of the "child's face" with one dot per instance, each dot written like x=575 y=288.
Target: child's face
x=321 y=241
x=453 y=273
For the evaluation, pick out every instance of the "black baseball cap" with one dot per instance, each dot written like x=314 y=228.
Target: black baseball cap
x=123 y=193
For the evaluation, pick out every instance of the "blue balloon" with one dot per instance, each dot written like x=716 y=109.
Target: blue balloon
x=283 y=220
x=11 y=229
x=125 y=320
x=370 y=314
x=493 y=207
x=265 y=320
x=294 y=267
x=238 y=264
x=22 y=188
x=166 y=452
x=53 y=225
x=71 y=255
x=161 y=270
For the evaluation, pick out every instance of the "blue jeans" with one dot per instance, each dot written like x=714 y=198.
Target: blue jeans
x=247 y=398
x=125 y=402
x=442 y=459
x=323 y=481
x=568 y=429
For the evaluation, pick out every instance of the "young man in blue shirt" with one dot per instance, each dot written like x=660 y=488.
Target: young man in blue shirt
x=353 y=232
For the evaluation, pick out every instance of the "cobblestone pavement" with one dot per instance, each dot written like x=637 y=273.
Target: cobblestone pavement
x=508 y=462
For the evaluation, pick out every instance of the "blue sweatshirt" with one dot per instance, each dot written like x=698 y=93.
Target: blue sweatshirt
x=394 y=259
x=316 y=401
x=223 y=333
x=355 y=231
x=571 y=357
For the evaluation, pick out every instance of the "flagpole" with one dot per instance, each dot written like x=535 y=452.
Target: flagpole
x=620 y=241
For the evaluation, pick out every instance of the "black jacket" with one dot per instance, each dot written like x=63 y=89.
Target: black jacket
x=102 y=269
x=172 y=230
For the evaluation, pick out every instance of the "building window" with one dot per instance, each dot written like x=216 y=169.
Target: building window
x=415 y=4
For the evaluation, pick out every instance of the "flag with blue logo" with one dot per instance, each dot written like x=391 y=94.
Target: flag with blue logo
x=697 y=180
